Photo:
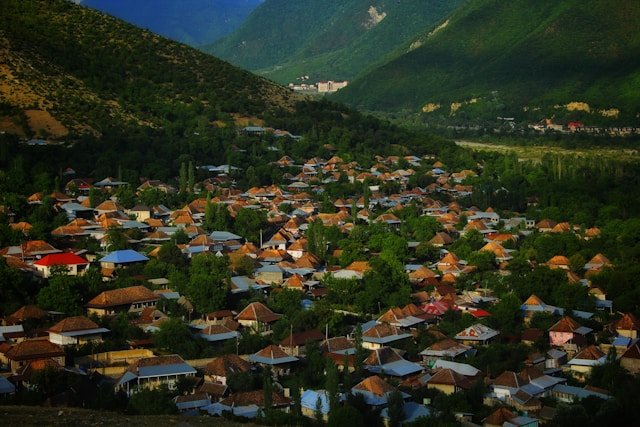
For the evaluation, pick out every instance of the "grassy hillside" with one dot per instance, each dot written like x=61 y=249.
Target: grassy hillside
x=194 y=22
x=508 y=57
x=67 y=70
x=329 y=39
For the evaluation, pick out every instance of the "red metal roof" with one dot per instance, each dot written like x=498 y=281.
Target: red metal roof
x=66 y=258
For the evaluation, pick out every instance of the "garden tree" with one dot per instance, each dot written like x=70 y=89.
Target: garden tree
x=396 y=409
x=267 y=387
x=95 y=197
x=245 y=266
x=312 y=373
x=179 y=237
x=173 y=336
x=505 y=315
x=249 y=222
x=158 y=401
x=152 y=197
x=548 y=245
x=423 y=228
x=170 y=254
x=191 y=177
x=386 y=284
x=61 y=294
x=577 y=262
x=318 y=415
x=332 y=385
x=341 y=291
x=427 y=252
x=352 y=250
x=540 y=281
x=14 y=288
x=361 y=352
x=242 y=381
x=217 y=217
x=319 y=238
x=125 y=196
x=182 y=180
x=483 y=260
x=346 y=415
x=117 y=238
x=296 y=408
x=287 y=302
x=209 y=282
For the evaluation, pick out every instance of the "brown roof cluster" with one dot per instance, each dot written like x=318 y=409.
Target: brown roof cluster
x=450 y=377
x=590 y=353
x=228 y=364
x=171 y=359
x=382 y=356
x=76 y=323
x=566 y=324
x=258 y=312
x=28 y=312
x=499 y=417
x=272 y=352
x=123 y=296
x=382 y=330
x=336 y=344
x=628 y=322
x=34 y=349
x=301 y=338
x=375 y=385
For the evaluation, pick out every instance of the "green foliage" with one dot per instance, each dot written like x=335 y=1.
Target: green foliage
x=208 y=286
x=508 y=55
x=174 y=336
x=62 y=294
x=152 y=402
x=396 y=411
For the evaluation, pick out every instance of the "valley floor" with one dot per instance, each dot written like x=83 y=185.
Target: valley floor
x=535 y=153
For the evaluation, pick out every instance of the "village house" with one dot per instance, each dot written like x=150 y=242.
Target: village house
x=33 y=351
x=152 y=372
x=257 y=317
x=72 y=264
x=124 y=300
x=76 y=331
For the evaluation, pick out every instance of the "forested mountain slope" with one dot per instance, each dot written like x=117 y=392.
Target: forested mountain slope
x=67 y=70
x=511 y=58
x=330 y=39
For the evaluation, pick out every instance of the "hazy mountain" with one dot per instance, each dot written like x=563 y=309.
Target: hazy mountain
x=194 y=22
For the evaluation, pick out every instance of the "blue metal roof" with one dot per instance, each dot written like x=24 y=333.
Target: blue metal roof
x=309 y=400
x=399 y=368
x=163 y=370
x=124 y=257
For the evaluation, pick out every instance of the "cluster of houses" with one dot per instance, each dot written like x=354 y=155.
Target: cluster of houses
x=283 y=260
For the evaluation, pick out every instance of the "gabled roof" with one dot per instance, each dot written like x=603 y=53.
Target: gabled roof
x=566 y=324
x=122 y=296
x=227 y=364
x=272 y=355
x=28 y=312
x=76 y=323
x=66 y=258
x=301 y=338
x=450 y=377
x=34 y=349
x=632 y=352
x=477 y=332
x=124 y=257
x=258 y=312
x=374 y=385
x=628 y=322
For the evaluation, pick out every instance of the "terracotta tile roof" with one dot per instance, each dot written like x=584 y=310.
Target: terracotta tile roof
x=499 y=417
x=255 y=397
x=76 y=323
x=381 y=331
x=590 y=353
x=533 y=300
x=272 y=352
x=532 y=334
x=375 y=385
x=227 y=364
x=259 y=312
x=336 y=344
x=509 y=379
x=382 y=356
x=558 y=260
x=28 y=312
x=213 y=389
x=450 y=377
x=34 y=349
x=628 y=322
x=632 y=352
x=301 y=338
x=172 y=359
x=123 y=296
x=566 y=324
